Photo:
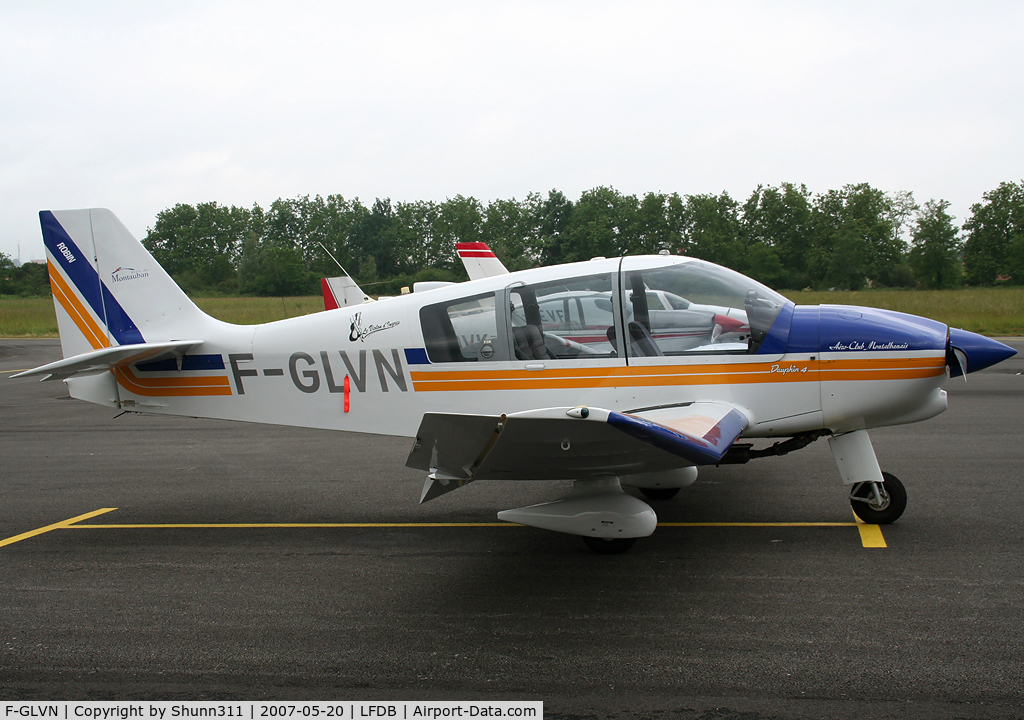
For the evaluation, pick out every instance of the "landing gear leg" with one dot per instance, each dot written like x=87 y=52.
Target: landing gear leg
x=877 y=497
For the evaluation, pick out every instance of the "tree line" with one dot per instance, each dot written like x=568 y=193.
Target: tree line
x=785 y=236
x=29 y=280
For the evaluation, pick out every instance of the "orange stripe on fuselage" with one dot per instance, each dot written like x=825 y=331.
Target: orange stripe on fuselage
x=172 y=387
x=675 y=375
x=75 y=309
x=148 y=386
x=883 y=368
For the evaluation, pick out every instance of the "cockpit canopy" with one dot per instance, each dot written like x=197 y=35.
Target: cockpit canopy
x=662 y=306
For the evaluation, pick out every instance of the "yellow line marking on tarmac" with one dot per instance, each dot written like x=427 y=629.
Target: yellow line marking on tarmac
x=757 y=524
x=56 y=526
x=10 y=371
x=870 y=535
x=143 y=526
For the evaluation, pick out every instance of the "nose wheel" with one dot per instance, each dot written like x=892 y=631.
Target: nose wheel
x=879 y=503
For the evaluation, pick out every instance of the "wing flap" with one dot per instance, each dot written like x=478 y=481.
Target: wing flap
x=104 y=359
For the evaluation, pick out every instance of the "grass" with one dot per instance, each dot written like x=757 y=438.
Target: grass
x=255 y=310
x=990 y=311
x=27 y=317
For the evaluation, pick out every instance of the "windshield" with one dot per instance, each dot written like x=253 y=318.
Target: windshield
x=696 y=306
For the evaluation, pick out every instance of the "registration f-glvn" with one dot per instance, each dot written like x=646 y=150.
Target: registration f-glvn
x=617 y=372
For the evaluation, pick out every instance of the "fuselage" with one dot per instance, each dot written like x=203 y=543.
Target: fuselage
x=378 y=367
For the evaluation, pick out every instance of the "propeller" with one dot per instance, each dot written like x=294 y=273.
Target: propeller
x=968 y=352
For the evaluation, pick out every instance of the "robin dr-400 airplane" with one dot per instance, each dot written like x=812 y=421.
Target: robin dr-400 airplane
x=627 y=371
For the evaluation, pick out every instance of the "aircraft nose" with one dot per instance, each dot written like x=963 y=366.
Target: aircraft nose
x=981 y=352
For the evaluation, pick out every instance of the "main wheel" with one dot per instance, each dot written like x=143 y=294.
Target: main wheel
x=659 y=493
x=606 y=546
x=888 y=510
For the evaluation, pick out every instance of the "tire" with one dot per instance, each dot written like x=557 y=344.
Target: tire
x=604 y=546
x=882 y=516
x=659 y=493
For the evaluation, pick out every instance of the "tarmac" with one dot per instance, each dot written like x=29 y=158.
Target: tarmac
x=252 y=562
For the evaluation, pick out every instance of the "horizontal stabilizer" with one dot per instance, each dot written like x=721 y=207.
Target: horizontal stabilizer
x=104 y=359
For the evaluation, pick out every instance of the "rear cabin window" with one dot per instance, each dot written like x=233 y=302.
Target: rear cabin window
x=462 y=330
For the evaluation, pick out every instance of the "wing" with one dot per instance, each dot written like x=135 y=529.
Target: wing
x=570 y=443
x=99 y=361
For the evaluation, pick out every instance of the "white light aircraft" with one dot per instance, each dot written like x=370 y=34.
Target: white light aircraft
x=555 y=373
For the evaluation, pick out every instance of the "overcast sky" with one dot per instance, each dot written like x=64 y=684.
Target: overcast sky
x=138 y=106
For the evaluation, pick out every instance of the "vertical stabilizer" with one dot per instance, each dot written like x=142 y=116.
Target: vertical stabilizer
x=107 y=289
x=341 y=291
x=479 y=260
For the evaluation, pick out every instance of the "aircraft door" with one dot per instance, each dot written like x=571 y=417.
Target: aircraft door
x=563 y=330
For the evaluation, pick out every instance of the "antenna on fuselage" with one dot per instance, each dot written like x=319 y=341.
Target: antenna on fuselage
x=331 y=256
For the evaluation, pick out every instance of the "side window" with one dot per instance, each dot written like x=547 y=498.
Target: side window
x=462 y=330
x=563 y=319
x=677 y=303
x=654 y=302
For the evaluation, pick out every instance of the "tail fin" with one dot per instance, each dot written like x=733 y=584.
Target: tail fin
x=479 y=260
x=107 y=289
x=341 y=291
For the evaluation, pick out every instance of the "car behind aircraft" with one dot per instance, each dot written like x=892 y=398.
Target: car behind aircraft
x=566 y=372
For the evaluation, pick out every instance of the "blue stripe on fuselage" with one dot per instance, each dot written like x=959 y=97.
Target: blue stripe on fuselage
x=416 y=356
x=188 y=362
